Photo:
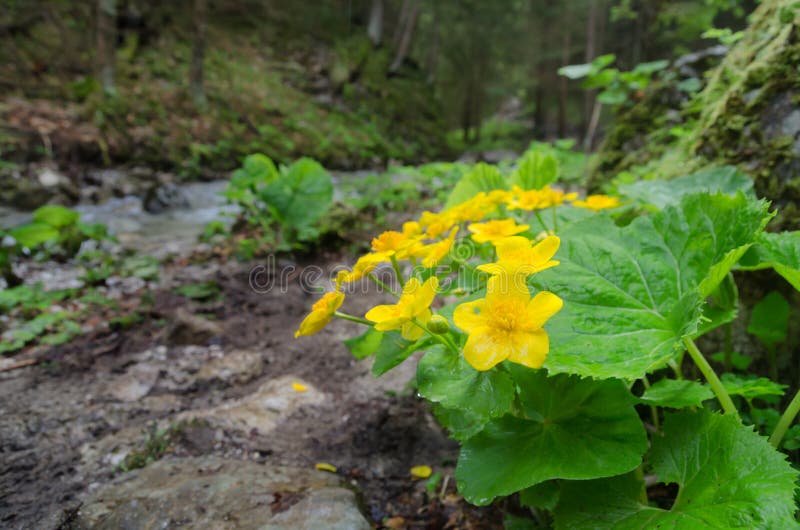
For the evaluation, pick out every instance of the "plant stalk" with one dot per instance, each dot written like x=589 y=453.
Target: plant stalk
x=711 y=377
x=351 y=318
x=786 y=420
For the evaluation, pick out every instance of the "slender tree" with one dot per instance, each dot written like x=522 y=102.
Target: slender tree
x=198 y=53
x=405 y=38
x=375 y=26
x=106 y=43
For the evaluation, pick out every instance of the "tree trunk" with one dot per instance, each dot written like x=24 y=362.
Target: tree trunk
x=563 y=86
x=405 y=39
x=591 y=52
x=106 y=43
x=401 y=23
x=375 y=26
x=198 y=53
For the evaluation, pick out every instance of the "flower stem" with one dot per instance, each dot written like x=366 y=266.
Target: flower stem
x=351 y=318
x=653 y=409
x=382 y=285
x=440 y=338
x=711 y=377
x=396 y=267
x=555 y=219
x=541 y=221
x=786 y=420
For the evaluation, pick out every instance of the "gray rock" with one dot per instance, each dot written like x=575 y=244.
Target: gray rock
x=162 y=197
x=236 y=367
x=188 y=328
x=263 y=410
x=218 y=494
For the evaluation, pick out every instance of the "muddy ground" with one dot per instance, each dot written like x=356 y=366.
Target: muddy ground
x=201 y=376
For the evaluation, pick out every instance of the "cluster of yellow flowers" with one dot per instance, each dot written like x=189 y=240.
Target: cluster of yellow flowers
x=504 y=325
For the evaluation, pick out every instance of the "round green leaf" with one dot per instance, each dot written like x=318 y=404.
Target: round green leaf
x=676 y=394
x=445 y=377
x=573 y=428
x=729 y=477
x=56 y=216
x=631 y=293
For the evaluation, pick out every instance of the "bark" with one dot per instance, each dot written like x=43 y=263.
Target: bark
x=591 y=53
x=198 y=53
x=375 y=26
x=563 y=86
x=106 y=43
x=405 y=39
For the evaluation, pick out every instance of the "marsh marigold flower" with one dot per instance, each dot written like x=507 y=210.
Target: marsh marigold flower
x=414 y=304
x=436 y=224
x=493 y=231
x=397 y=244
x=597 y=202
x=321 y=313
x=520 y=255
x=365 y=265
x=507 y=324
x=436 y=252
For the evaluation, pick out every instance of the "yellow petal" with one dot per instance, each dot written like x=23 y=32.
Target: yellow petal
x=421 y=471
x=411 y=331
x=512 y=248
x=508 y=289
x=423 y=298
x=313 y=323
x=546 y=249
x=530 y=349
x=484 y=349
x=324 y=466
x=299 y=387
x=543 y=306
x=467 y=316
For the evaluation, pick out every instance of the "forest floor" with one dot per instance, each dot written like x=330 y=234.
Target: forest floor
x=205 y=389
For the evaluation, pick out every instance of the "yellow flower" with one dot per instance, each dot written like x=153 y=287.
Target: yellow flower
x=436 y=252
x=519 y=255
x=551 y=197
x=507 y=324
x=520 y=199
x=436 y=224
x=414 y=304
x=412 y=229
x=397 y=244
x=321 y=313
x=494 y=231
x=597 y=202
x=363 y=266
x=474 y=209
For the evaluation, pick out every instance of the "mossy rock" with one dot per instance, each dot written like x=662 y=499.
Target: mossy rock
x=748 y=115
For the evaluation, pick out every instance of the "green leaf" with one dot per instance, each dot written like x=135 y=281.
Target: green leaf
x=483 y=177
x=676 y=394
x=729 y=477
x=257 y=170
x=393 y=350
x=573 y=428
x=543 y=495
x=662 y=193
x=769 y=320
x=575 y=71
x=33 y=234
x=366 y=344
x=56 y=216
x=739 y=361
x=535 y=170
x=631 y=293
x=301 y=195
x=462 y=424
x=779 y=251
x=750 y=386
x=445 y=377
x=199 y=291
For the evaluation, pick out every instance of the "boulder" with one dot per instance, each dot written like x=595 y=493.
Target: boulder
x=211 y=493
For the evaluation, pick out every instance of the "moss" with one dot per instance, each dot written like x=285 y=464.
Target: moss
x=733 y=120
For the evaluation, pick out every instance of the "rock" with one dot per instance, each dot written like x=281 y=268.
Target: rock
x=262 y=410
x=188 y=328
x=236 y=367
x=135 y=383
x=218 y=494
x=162 y=197
x=49 y=178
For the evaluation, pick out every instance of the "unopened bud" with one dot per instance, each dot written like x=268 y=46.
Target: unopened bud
x=438 y=324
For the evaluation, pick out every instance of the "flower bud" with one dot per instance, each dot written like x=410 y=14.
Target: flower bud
x=438 y=324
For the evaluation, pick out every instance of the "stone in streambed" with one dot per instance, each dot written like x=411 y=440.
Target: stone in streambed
x=213 y=493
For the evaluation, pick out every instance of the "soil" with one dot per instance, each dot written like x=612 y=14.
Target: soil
x=69 y=425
